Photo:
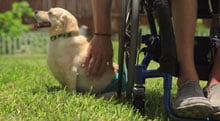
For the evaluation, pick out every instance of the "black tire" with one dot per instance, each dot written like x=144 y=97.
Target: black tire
x=129 y=37
x=135 y=36
x=121 y=45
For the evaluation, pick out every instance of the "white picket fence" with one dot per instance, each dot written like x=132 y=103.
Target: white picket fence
x=37 y=42
x=28 y=43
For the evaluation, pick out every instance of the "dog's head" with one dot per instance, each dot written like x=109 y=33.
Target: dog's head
x=58 y=20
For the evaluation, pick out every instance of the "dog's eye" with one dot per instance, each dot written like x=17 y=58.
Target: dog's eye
x=50 y=13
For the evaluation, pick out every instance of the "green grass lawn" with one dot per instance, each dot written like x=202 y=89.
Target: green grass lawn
x=24 y=83
x=24 y=96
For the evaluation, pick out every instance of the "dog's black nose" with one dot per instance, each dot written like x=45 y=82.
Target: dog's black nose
x=35 y=12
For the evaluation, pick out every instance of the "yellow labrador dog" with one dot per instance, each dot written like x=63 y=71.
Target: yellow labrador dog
x=66 y=51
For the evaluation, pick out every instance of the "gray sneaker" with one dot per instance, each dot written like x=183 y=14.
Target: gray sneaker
x=214 y=97
x=190 y=101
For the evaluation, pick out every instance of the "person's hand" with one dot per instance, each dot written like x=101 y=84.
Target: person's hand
x=99 y=55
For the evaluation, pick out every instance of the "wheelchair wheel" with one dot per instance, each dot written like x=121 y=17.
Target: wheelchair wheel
x=128 y=47
x=135 y=38
x=122 y=45
x=129 y=38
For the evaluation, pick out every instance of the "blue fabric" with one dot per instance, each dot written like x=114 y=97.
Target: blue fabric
x=113 y=86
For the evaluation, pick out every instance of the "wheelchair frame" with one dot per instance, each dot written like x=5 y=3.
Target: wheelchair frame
x=160 y=47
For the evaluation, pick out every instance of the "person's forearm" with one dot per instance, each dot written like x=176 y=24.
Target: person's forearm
x=102 y=16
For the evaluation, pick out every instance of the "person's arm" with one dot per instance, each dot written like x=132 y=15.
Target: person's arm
x=100 y=51
x=102 y=16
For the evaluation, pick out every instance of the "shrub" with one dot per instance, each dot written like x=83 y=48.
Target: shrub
x=11 y=21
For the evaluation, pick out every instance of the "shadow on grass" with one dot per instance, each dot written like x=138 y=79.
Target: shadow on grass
x=154 y=103
x=49 y=89
x=154 y=106
x=52 y=89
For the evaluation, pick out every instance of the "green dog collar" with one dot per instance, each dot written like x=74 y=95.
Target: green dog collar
x=64 y=35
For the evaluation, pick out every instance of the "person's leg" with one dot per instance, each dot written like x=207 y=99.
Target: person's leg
x=213 y=87
x=215 y=74
x=190 y=101
x=184 y=15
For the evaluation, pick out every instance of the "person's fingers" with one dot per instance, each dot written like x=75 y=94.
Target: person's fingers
x=111 y=66
x=96 y=67
x=102 y=67
x=91 y=65
x=86 y=59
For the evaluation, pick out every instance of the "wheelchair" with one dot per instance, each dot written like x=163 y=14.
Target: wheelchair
x=160 y=47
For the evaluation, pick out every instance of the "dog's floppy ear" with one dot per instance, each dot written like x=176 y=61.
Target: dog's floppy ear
x=64 y=20
x=69 y=24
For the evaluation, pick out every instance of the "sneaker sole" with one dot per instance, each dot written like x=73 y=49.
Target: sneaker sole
x=196 y=107
x=216 y=114
x=194 y=110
